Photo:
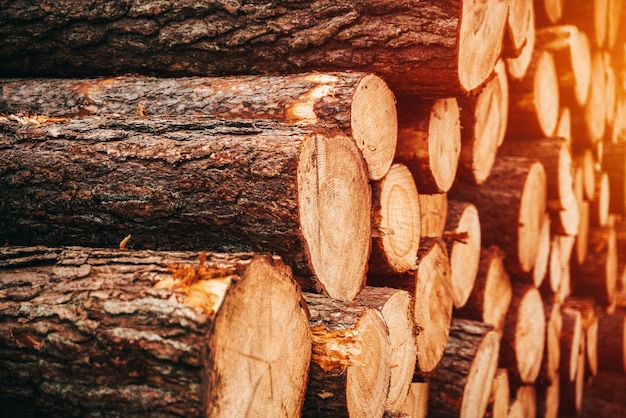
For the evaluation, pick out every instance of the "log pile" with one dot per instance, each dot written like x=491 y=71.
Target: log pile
x=302 y=209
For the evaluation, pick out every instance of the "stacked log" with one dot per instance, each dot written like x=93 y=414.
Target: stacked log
x=445 y=180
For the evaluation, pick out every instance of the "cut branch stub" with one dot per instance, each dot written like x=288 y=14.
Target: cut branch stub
x=359 y=104
x=181 y=183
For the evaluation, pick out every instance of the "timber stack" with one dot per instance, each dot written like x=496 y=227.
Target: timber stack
x=301 y=209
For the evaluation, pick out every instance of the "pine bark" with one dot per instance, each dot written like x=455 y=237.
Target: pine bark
x=223 y=38
x=429 y=141
x=359 y=104
x=144 y=333
x=351 y=361
x=462 y=383
x=177 y=183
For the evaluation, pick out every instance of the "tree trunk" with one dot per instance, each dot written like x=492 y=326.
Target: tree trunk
x=434 y=213
x=491 y=293
x=520 y=17
x=548 y=399
x=396 y=307
x=612 y=342
x=483 y=126
x=552 y=353
x=138 y=333
x=571 y=392
x=599 y=205
x=429 y=141
x=534 y=100
x=517 y=67
x=572 y=57
x=430 y=285
x=192 y=184
x=548 y=12
x=551 y=283
x=462 y=237
x=581 y=245
x=589 y=120
x=589 y=321
x=360 y=104
x=555 y=156
x=351 y=362
x=564 y=125
x=416 y=404
x=498 y=405
x=511 y=205
x=452 y=55
x=614 y=163
x=524 y=336
x=523 y=402
x=395 y=222
x=571 y=339
x=597 y=277
x=462 y=383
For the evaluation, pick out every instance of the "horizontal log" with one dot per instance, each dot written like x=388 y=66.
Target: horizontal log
x=360 y=104
x=521 y=15
x=517 y=67
x=87 y=331
x=498 y=405
x=453 y=54
x=416 y=404
x=434 y=212
x=181 y=183
x=612 y=342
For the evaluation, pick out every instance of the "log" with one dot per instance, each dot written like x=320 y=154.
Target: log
x=610 y=92
x=429 y=141
x=518 y=67
x=614 y=163
x=564 y=125
x=566 y=244
x=581 y=244
x=540 y=267
x=597 y=277
x=492 y=292
x=483 y=126
x=566 y=221
x=416 y=404
x=551 y=283
x=548 y=399
x=351 y=361
x=461 y=385
x=430 y=285
x=88 y=332
x=590 y=17
x=572 y=58
x=599 y=206
x=462 y=237
x=548 y=12
x=549 y=371
x=589 y=321
x=589 y=120
x=511 y=205
x=614 y=24
x=360 y=104
x=524 y=336
x=570 y=343
x=395 y=222
x=498 y=405
x=523 y=402
x=453 y=54
x=434 y=213
x=520 y=17
x=571 y=392
x=554 y=155
x=612 y=342
x=187 y=184
x=534 y=100
x=396 y=307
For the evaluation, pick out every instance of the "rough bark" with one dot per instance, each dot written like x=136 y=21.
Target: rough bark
x=511 y=205
x=462 y=383
x=483 y=126
x=498 y=405
x=520 y=17
x=570 y=341
x=429 y=141
x=434 y=212
x=612 y=342
x=88 y=332
x=534 y=100
x=572 y=57
x=397 y=309
x=436 y=47
x=462 y=237
x=597 y=277
x=351 y=360
x=492 y=292
x=430 y=285
x=614 y=163
x=395 y=222
x=360 y=104
x=524 y=336
x=177 y=183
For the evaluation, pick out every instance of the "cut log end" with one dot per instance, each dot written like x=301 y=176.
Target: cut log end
x=263 y=301
x=375 y=124
x=445 y=148
x=335 y=213
x=481 y=375
x=480 y=40
x=530 y=336
x=531 y=215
